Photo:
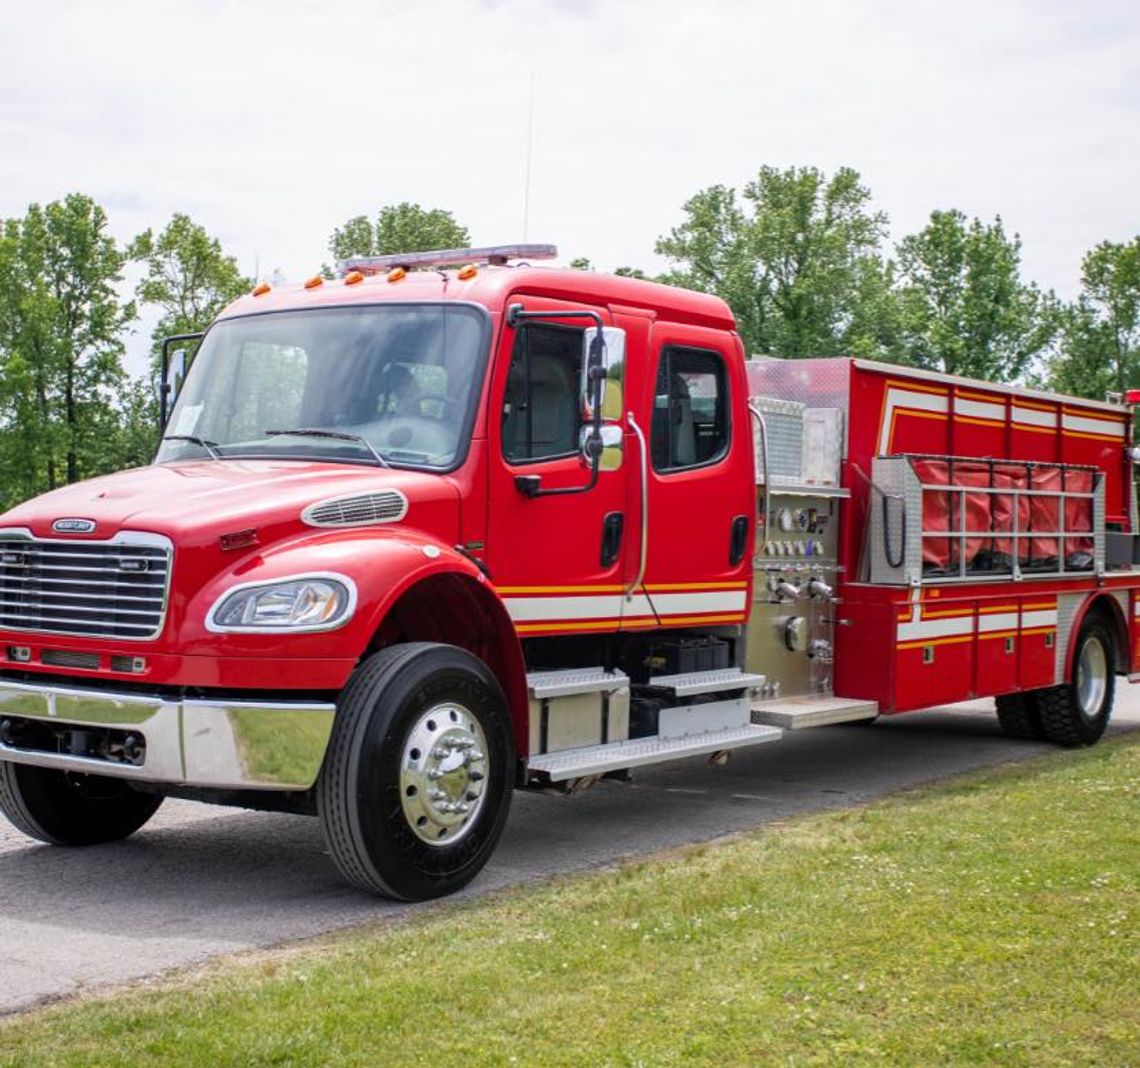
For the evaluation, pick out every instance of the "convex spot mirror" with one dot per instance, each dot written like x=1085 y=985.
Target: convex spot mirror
x=613 y=366
x=610 y=450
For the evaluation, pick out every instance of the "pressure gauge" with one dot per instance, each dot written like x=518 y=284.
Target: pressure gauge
x=786 y=519
x=803 y=520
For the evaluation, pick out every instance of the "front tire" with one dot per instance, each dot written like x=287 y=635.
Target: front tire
x=416 y=784
x=1077 y=714
x=71 y=809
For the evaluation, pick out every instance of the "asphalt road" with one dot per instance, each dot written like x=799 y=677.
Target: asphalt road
x=201 y=881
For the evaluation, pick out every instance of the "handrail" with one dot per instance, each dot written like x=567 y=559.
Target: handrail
x=644 y=454
x=759 y=415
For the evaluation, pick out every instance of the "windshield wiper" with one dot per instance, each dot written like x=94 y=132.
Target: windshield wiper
x=205 y=443
x=341 y=435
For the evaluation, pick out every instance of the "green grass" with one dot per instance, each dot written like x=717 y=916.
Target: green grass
x=280 y=748
x=990 y=920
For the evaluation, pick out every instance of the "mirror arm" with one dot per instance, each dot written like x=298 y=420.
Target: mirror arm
x=164 y=385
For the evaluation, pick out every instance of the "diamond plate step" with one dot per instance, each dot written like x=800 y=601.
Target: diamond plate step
x=695 y=682
x=569 y=681
x=795 y=713
x=599 y=759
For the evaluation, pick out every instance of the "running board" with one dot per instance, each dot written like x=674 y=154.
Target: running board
x=617 y=756
x=795 y=713
x=697 y=682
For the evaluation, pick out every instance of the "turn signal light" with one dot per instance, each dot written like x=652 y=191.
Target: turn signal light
x=315 y=281
x=353 y=277
x=397 y=274
x=261 y=288
x=465 y=273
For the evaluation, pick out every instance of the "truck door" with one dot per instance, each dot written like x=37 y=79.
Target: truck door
x=556 y=559
x=694 y=410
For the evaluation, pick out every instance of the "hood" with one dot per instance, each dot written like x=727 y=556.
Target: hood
x=203 y=499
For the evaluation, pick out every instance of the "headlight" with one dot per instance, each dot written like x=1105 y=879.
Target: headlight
x=307 y=602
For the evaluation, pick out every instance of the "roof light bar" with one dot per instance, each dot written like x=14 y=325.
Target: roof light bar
x=447 y=257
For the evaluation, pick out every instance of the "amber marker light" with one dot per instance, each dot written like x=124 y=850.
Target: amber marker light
x=353 y=278
x=261 y=289
x=315 y=281
x=397 y=274
x=468 y=272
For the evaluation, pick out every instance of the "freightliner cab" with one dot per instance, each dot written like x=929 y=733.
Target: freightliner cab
x=453 y=525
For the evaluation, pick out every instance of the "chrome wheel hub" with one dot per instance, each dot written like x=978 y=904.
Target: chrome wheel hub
x=443 y=774
x=1092 y=677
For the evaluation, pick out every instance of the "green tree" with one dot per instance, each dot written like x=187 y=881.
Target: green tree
x=796 y=257
x=61 y=326
x=1100 y=336
x=398 y=228
x=963 y=306
x=188 y=277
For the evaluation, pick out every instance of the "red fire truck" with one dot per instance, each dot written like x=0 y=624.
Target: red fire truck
x=421 y=535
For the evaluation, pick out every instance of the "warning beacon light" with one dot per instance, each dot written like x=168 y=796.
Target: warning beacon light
x=496 y=255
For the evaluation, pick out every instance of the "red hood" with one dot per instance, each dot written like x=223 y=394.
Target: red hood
x=208 y=498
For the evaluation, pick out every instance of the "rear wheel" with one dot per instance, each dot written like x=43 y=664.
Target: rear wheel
x=71 y=809
x=1077 y=714
x=1019 y=716
x=416 y=783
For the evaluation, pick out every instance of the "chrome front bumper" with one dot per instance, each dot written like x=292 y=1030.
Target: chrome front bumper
x=223 y=744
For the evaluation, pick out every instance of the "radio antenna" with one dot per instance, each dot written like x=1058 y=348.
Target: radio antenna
x=529 y=153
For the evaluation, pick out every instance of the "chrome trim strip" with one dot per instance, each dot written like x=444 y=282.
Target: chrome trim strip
x=219 y=744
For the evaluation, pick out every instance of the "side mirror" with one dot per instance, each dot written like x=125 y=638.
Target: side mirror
x=612 y=370
x=175 y=373
x=607 y=442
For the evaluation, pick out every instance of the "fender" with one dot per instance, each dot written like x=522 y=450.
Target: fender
x=1119 y=627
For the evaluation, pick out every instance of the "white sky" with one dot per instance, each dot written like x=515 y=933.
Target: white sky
x=272 y=122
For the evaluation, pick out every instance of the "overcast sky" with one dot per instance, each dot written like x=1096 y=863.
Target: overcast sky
x=272 y=122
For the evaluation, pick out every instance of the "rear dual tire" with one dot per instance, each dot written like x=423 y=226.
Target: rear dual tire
x=1077 y=713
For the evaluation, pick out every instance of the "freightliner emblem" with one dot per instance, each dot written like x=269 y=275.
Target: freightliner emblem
x=73 y=526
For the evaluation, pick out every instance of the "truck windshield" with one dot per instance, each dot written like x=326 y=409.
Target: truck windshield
x=392 y=384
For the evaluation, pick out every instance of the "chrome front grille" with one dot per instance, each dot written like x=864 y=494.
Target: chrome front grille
x=107 y=589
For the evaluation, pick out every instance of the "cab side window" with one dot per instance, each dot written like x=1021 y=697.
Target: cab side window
x=690 y=409
x=541 y=414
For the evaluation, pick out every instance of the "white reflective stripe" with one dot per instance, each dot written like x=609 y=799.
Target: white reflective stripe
x=936 y=628
x=1085 y=425
x=997 y=621
x=614 y=605
x=1045 y=618
x=906 y=398
x=1136 y=607
x=1034 y=417
x=609 y=606
x=979 y=409
x=675 y=604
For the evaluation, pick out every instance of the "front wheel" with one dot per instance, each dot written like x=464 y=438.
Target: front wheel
x=416 y=783
x=71 y=809
x=1077 y=714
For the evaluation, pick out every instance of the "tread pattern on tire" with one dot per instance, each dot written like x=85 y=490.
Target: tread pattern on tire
x=1019 y=716
x=1062 y=721
x=12 y=805
x=340 y=764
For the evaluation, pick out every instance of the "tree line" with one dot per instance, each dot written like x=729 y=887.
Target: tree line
x=801 y=257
